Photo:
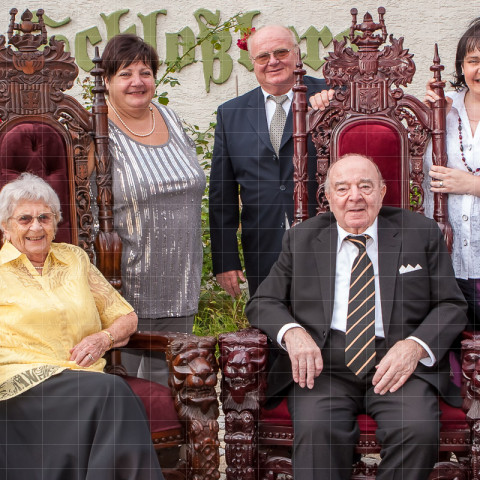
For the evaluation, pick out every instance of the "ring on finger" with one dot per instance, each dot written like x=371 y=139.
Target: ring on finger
x=441 y=184
x=90 y=356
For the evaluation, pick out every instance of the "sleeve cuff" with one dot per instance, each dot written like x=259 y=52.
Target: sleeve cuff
x=282 y=332
x=428 y=362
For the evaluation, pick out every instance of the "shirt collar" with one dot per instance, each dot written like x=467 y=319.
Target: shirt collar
x=9 y=253
x=371 y=231
x=289 y=94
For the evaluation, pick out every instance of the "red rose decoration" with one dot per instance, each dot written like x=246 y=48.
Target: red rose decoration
x=242 y=42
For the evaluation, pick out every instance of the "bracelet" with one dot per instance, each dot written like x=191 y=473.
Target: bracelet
x=110 y=337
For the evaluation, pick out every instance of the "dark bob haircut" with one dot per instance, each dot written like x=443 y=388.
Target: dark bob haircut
x=123 y=50
x=468 y=43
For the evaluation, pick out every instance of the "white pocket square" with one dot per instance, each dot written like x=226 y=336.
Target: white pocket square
x=406 y=269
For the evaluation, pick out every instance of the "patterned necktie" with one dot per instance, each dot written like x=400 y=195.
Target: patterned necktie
x=360 y=334
x=278 y=122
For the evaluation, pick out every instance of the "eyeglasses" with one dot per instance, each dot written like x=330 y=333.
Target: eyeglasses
x=279 y=54
x=43 y=219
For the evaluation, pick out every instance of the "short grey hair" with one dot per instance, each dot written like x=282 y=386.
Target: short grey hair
x=292 y=34
x=29 y=187
x=370 y=159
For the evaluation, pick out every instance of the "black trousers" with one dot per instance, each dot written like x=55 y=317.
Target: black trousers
x=76 y=426
x=326 y=430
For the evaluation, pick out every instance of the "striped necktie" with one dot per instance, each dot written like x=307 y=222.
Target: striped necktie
x=278 y=122
x=360 y=334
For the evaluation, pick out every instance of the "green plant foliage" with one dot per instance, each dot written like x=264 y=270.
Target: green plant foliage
x=219 y=313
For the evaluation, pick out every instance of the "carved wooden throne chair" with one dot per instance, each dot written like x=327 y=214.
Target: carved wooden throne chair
x=46 y=132
x=369 y=115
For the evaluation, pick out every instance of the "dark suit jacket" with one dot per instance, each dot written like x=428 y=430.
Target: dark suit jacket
x=244 y=162
x=425 y=303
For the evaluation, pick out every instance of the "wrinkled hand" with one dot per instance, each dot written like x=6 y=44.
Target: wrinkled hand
x=229 y=281
x=452 y=180
x=95 y=345
x=306 y=357
x=432 y=97
x=397 y=365
x=321 y=100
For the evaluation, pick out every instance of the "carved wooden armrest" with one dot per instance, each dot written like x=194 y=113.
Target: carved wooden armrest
x=193 y=377
x=243 y=361
x=471 y=377
x=471 y=395
x=192 y=380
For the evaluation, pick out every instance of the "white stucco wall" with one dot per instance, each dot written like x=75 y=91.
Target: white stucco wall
x=421 y=22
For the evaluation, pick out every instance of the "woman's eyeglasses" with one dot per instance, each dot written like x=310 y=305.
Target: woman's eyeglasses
x=279 y=54
x=43 y=219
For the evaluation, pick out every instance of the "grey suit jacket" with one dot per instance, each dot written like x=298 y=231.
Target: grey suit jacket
x=425 y=303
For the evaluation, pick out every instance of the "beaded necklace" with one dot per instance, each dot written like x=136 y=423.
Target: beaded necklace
x=460 y=137
x=128 y=128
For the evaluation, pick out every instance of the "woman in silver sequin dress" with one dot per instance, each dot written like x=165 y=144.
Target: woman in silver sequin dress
x=157 y=186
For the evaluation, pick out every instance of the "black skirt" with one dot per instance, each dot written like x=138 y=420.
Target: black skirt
x=76 y=426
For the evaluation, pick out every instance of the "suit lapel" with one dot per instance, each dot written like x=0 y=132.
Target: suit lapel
x=389 y=246
x=325 y=251
x=257 y=117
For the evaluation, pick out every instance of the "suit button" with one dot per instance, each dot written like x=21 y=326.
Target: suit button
x=275 y=157
x=464 y=218
x=283 y=187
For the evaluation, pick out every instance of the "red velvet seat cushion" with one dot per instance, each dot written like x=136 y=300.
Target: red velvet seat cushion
x=38 y=148
x=452 y=418
x=158 y=404
x=381 y=142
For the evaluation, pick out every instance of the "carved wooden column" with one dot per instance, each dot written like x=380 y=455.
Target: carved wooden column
x=243 y=359
x=439 y=148
x=108 y=245
x=300 y=148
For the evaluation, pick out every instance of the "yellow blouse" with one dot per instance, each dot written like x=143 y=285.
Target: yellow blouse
x=43 y=316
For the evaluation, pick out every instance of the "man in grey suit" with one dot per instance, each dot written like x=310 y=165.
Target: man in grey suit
x=413 y=310
x=252 y=163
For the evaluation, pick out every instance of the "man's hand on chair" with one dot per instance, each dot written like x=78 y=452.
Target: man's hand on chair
x=306 y=357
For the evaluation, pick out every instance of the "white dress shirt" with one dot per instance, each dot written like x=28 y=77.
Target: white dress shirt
x=463 y=210
x=346 y=254
x=270 y=105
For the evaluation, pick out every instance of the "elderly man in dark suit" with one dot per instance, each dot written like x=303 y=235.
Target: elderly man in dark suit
x=252 y=156
x=364 y=302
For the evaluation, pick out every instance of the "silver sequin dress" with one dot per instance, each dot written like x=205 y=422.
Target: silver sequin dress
x=157 y=195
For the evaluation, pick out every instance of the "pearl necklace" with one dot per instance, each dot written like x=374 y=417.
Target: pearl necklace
x=38 y=268
x=460 y=137
x=128 y=128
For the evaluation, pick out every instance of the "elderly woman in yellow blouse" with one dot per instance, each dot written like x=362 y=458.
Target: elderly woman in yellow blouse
x=60 y=416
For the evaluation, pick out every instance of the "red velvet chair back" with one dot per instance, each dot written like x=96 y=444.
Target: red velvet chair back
x=381 y=140
x=39 y=149
x=42 y=130
x=370 y=115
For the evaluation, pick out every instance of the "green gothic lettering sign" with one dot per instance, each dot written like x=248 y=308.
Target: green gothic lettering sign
x=217 y=58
